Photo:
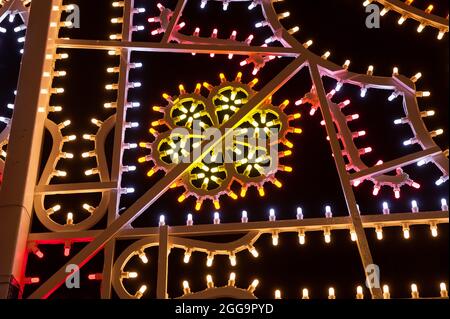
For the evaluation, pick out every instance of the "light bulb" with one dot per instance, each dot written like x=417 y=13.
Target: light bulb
x=386 y=293
x=363 y=92
x=69 y=220
x=386 y=208
x=353 y=236
x=233 y=260
x=327 y=235
x=129 y=275
x=189 y=221
x=379 y=232
x=434 y=230
x=162 y=220
x=141 y=292
x=209 y=260
x=328 y=213
x=301 y=237
x=277 y=294
x=406 y=233
x=444 y=205
x=253 y=286
x=272 y=216
x=305 y=293
x=299 y=213
x=414 y=206
x=444 y=292
x=209 y=281
x=414 y=291
x=275 y=239
x=216 y=218
x=186 y=289
x=244 y=218
x=331 y=293
x=253 y=251
x=143 y=257
x=359 y=292
x=232 y=279
x=187 y=256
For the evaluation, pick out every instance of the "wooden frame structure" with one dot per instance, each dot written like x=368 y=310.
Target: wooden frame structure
x=20 y=192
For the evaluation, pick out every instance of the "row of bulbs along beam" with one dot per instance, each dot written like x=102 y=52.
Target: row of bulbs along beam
x=386 y=9
x=275 y=233
x=304 y=295
x=405 y=17
x=305 y=291
x=252 y=287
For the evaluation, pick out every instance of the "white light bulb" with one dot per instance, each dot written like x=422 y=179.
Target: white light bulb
x=216 y=218
x=277 y=294
x=299 y=213
x=414 y=206
x=386 y=208
x=272 y=216
x=244 y=217
x=328 y=213
x=189 y=220
x=162 y=220
x=444 y=205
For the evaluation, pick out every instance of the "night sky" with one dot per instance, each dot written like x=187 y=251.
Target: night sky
x=337 y=26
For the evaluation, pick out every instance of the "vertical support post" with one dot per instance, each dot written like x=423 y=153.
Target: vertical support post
x=163 y=256
x=119 y=134
x=22 y=165
x=363 y=245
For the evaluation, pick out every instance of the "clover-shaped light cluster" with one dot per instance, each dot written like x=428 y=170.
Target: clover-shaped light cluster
x=248 y=156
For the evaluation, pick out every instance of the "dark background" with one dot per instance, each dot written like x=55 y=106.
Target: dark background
x=337 y=26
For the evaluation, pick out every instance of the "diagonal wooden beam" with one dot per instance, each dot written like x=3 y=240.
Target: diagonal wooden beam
x=150 y=197
x=4 y=10
x=174 y=21
x=362 y=243
x=399 y=162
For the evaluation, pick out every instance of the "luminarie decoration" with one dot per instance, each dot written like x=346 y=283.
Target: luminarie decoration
x=233 y=103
